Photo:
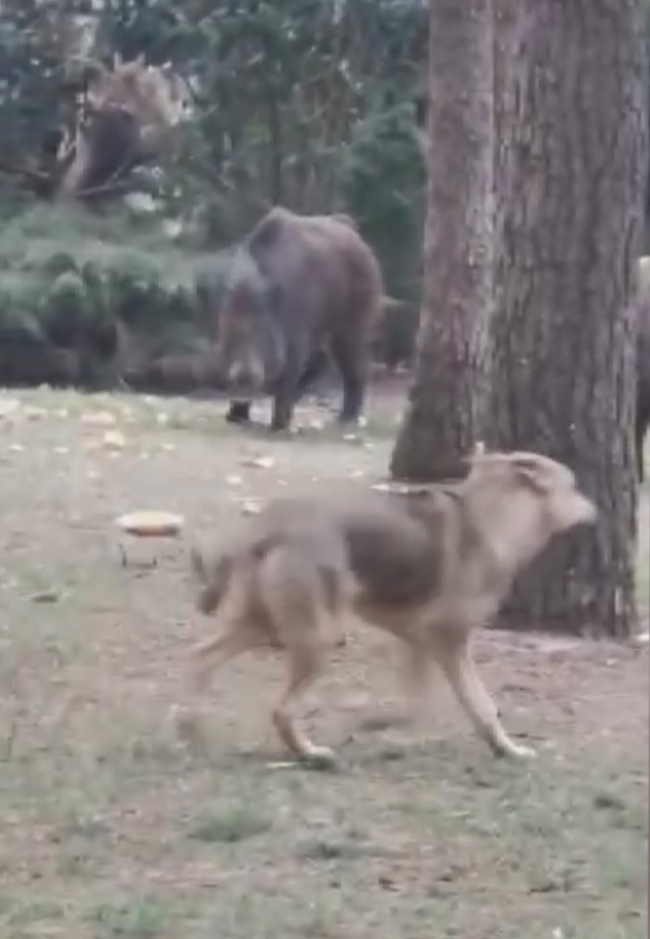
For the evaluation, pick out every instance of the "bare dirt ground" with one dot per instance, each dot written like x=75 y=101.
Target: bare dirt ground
x=110 y=827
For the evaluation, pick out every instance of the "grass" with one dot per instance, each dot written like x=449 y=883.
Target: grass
x=111 y=827
x=230 y=824
x=28 y=913
x=135 y=919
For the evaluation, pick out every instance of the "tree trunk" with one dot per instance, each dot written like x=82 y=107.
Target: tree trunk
x=571 y=121
x=444 y=416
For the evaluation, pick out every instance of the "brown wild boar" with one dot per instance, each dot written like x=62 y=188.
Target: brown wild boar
x=428 y=566
x=301 y=288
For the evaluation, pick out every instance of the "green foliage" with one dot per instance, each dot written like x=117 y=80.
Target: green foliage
x=302 y=102
x=382 y=187
x=32 y=44
x=65 y=307
x=291 y=80
x=67 y=278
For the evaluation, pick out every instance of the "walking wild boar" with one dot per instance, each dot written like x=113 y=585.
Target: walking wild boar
x=302 y=288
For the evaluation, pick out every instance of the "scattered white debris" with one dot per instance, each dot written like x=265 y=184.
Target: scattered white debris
x=33 y=413
x=9 y=406
x=98 y=419
x=261 y=462
x=151 y=524
x=400 y=488
x=114 y=439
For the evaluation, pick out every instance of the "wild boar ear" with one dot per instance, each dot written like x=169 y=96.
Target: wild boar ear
x=198 y=566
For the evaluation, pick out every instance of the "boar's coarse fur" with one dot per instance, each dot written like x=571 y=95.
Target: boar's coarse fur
x=302 y=288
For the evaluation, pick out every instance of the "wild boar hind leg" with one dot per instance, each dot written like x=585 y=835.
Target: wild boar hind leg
x=315 y=367
x=351 y=359
x=284 y=402
x=239 y=412
x=289 y=388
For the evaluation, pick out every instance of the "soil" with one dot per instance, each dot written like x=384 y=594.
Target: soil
x=112 y=826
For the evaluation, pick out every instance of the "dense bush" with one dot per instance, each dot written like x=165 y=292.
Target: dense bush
x=92 y=300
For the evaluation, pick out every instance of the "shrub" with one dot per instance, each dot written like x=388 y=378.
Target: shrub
x=71 y=282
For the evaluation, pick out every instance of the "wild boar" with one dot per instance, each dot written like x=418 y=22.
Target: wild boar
x=302 y=288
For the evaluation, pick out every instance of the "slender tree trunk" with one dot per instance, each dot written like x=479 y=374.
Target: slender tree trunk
x=571 y=120
x=444 y=416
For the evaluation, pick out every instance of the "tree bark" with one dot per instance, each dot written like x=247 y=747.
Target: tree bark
x=444 y=416
x=570 y=172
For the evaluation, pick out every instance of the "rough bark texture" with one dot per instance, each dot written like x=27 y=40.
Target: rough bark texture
x=570 y=118
x=444 y=417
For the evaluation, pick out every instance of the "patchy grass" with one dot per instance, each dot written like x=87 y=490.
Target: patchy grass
x=111 y=827
x=139 y=919
x=230 y=824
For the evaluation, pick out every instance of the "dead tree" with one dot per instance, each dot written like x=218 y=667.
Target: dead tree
x=124 y=121
x=123 y=118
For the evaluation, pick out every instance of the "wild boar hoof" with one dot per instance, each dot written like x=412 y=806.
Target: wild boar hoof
x=238 y=413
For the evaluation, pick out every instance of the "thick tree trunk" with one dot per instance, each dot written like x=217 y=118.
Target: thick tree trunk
x=570 y=117
x=444 y=417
